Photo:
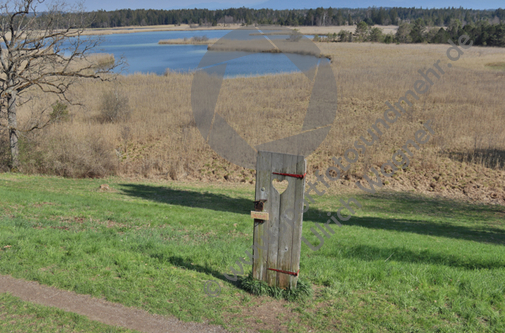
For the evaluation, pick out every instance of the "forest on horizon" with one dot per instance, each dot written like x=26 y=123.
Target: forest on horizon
x=296 y=17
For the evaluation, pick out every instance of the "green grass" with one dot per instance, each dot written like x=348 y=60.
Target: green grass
x=497 y=65
x=403 y=263
x=23 y=317
x=256 y=287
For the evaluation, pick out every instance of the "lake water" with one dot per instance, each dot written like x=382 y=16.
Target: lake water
x=145 y=55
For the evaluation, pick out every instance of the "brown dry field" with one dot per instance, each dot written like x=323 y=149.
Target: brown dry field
x=465 y=159
x=306 y=30
x=310 y=30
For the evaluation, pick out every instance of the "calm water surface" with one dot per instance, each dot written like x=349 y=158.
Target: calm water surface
x=145 y=55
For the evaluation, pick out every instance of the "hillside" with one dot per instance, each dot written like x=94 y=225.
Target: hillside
x=157 y=138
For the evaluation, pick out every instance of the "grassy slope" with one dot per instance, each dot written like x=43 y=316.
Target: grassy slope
x=403 y=263
x=23 y=317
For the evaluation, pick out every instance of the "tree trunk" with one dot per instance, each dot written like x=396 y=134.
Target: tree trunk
x=13 y=132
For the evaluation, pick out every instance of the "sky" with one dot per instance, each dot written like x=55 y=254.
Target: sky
x=287 y=4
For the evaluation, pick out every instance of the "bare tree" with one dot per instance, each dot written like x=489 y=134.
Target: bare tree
x=43 y=50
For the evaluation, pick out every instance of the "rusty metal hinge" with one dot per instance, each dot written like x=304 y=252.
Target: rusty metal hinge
x=285 y=272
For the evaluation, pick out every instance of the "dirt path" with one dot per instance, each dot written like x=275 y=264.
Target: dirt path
x=95 y=309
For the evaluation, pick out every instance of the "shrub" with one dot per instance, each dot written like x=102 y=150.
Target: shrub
x=345 y=36
x=389 y=38
x=85 y=155
x=200 y=38
x=362 y=31
x=115 y=106
x=295 y=36
x=60 y=112
x=376 y=35
x=403 y=33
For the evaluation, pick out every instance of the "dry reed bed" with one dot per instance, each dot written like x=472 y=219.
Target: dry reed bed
x=185 y=41
x=156 y=28
x=259 y=44
x=324 y=30
x=160 y=138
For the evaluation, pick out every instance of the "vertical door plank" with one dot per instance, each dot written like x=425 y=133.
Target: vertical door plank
x=287 y=201
x=260 y=237
x=301 y=168
x=273 y=245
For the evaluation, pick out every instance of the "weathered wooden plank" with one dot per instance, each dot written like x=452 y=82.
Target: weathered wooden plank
x=286 y=230
x=273 y=245
x=301 y=168
x=260 y=237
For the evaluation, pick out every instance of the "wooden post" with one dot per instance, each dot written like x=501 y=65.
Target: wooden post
x=278 y=229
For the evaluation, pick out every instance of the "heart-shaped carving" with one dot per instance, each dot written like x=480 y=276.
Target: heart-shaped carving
x=280 y=186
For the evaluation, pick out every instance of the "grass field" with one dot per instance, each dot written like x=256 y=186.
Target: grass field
x=403 y=263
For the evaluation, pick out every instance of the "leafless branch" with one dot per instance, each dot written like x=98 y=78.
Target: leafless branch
x=45 y=50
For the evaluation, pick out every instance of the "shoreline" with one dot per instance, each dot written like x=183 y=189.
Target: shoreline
x=155 y=28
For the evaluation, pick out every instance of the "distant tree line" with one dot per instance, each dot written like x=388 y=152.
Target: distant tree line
x=306 y=17
x=481 y=33
x=416 y=25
